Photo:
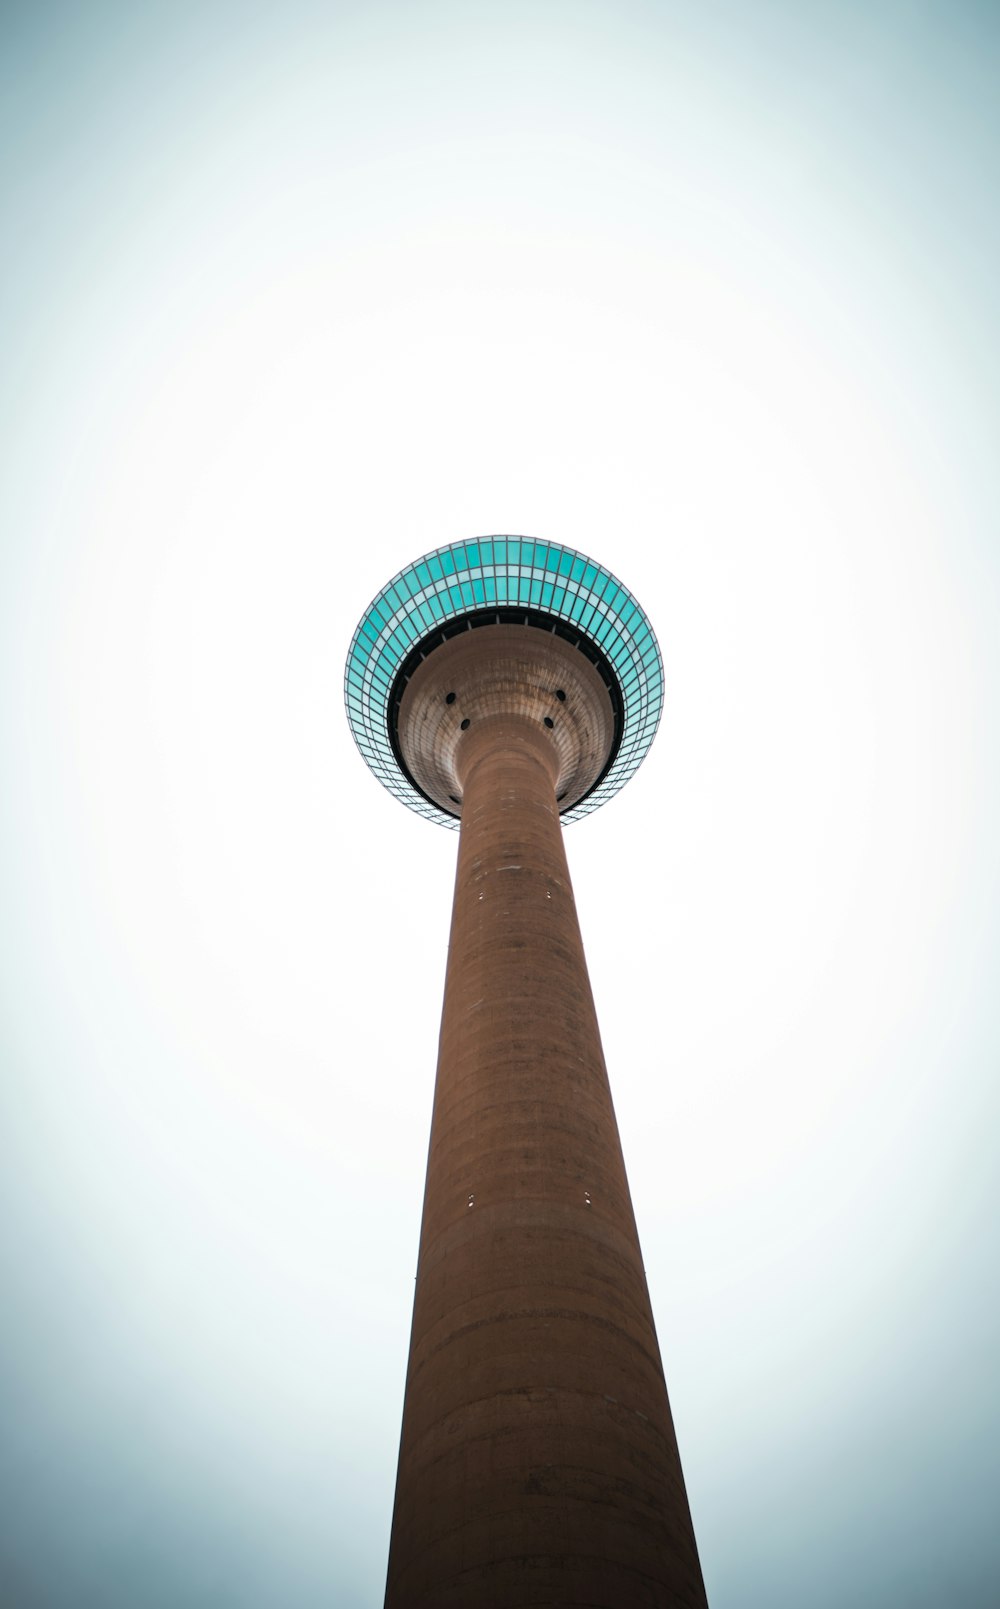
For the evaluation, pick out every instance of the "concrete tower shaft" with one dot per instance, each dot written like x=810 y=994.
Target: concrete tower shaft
x=538 y=1463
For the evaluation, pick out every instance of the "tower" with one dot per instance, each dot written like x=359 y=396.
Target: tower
x=498 y=686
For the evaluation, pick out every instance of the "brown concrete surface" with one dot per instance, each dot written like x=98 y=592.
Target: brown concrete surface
x=538 y=1463
x=497 y=670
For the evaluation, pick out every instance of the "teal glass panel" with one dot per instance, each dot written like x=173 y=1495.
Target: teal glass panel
x=553 y=581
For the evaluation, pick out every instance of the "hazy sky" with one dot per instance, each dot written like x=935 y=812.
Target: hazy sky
x=290 y=295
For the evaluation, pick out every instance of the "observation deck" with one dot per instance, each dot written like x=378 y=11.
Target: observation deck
x=546 y=590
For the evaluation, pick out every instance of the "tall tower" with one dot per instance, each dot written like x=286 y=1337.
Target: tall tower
x=496 y=686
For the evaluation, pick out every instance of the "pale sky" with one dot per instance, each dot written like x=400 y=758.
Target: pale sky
x=290 y=295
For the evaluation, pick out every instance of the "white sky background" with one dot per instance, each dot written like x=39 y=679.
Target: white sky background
x=289 y=297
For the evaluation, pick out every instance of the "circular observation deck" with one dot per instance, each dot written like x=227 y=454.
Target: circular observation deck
x=584 y=663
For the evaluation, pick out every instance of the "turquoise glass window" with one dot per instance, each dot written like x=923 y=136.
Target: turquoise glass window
x=553 y=581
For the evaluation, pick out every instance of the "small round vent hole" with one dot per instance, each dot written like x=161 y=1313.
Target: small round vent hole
x=560 y=695
x=466 y=724
x=449 y=698
x=549 y=722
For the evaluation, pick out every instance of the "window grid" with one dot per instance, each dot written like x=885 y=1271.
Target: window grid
x=463 y=577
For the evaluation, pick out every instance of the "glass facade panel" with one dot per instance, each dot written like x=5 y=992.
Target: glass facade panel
x=452 y=581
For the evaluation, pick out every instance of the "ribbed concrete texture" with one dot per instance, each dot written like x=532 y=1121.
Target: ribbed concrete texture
x=497 y=670
x=538 y=1463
